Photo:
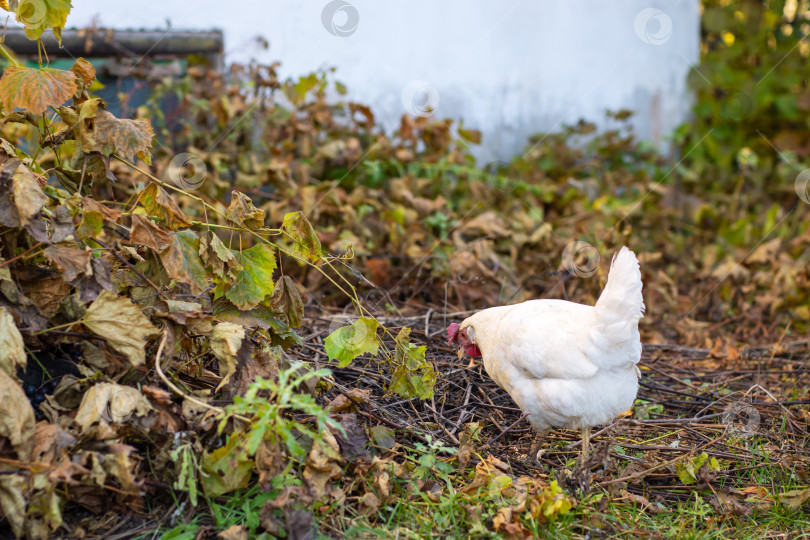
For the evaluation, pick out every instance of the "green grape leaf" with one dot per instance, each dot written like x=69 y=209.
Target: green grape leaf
x=688 y=472
x=91 y=225
x=254 y=282
x=413 y=375
x=550 y=503
x=348 y=342
x=39 y=15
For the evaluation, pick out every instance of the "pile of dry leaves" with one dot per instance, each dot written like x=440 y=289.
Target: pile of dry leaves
x=151 y=338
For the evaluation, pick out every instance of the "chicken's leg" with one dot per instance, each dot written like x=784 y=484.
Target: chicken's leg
x=535 y=453
x=586 y=439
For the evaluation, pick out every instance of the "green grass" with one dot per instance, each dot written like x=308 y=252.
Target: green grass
x=455 y=514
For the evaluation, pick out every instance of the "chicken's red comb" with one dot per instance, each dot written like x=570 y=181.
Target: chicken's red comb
x=452 y=333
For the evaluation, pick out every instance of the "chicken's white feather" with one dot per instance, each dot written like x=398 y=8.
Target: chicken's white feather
x=566 y=364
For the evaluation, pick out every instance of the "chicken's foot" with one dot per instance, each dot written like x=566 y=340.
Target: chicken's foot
x=535 y=453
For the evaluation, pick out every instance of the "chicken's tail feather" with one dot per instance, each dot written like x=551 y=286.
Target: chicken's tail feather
x=621 y=305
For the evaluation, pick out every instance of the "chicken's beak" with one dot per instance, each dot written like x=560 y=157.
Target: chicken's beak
x=460 y=353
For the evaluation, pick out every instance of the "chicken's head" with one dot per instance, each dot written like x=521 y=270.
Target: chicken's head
x=465 y=338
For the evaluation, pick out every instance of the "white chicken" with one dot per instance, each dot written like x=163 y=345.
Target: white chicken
x=566 y=365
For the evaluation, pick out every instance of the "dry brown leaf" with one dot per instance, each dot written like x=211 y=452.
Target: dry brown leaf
x=305 y=241
x=72 y=262
x=51 y=443
x=122 y=324
x=13 y=501
x=84 y=70
x=726 y=503
x=765 y=253
x=382 y=481
x=641 y=500
x=106 y=404
x=370 y=502
x=182 y=262
x=243 y=213
x=120 y=464
x=226 y=341
x=109 y=213
x=323 y=464
x=300 y=525
x=146 y=233
x=508 y=523
x=127 y=138
x=286 y=301
x=492 y=473
x=160 y=205
x=795 y=499
x=349 y=400
x=730 y=268
x=263 y=362
x=12 y=349
x=17 y=420
x=724 y=350
x=169 y=413
x=28 y=195
x=216 y=255
x=180 y=311
x=487 y=224
x=47 y=290
x=353 y=443
x=234 y=532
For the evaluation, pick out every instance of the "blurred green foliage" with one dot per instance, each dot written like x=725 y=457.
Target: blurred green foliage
x=752 y=97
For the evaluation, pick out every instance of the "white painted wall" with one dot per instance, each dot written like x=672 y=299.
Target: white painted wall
x=510 y=68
